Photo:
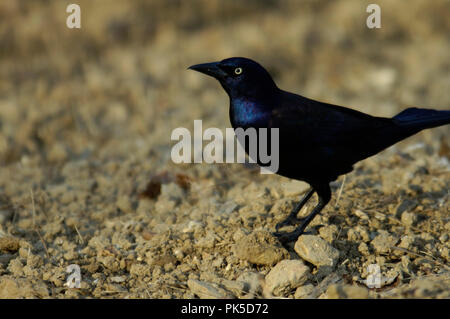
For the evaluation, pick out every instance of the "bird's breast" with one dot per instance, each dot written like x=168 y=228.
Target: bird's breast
x=246 y=113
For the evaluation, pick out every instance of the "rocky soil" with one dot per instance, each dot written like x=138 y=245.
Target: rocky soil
x=86 y=176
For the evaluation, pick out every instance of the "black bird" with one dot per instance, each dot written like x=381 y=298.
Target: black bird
x=317 y=141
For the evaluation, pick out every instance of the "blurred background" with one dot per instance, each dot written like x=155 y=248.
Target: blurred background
x=122 y=77
x=86 y=117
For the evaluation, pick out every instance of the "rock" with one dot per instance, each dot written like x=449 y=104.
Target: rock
x=303 y=292
x=139 y=270
x=294 y=188
x=9 y=243
x=118 y=279
x=286 y=276
x=206 y=290
x=383 y=242
x=364 y=249
x=22 y=288
x=409 y=219
x=340 y=291
x=361 y=214
x=260 y=248
x=329 y=233
x=316 y=251
x=160 y=259
x=253 y=283
x=15 y=267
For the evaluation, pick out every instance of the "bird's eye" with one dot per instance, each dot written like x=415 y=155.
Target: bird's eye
x=238 y=71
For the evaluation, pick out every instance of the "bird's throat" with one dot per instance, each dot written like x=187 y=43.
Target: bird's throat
x=246 y=113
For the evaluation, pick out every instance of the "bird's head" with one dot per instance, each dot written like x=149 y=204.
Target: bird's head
x=240 y=77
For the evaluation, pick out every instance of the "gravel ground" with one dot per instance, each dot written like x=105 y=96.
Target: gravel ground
x=86 y=176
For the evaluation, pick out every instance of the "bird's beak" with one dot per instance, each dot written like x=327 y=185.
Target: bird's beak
x=212 y=69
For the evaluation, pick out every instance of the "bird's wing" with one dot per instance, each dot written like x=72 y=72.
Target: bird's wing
x=318 y=123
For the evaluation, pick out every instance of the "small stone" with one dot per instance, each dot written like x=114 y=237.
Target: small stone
x=407 y=242
x=15 y=267
x=206 y=290
x=303 y=292
x=361 y=214
x=260 y=248
x=286 y=276
x=339 y=291
x=160 y=259
x=383 y=242
x=329 y=233
x=139 y=270
x=118 y=279
x=364 y=249
x=9 y=243
x=316 y=251
x=17 y=288
x=408 y=219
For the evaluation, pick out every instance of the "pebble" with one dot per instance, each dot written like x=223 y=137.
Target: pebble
x=286 y=276
x=303 y=292
x=329 y=233
x=340 y=291
x=118 y=279
x=383 y=242
x=316 y=251
x=9 y=243
x=206 y=290
x=361 y=214
x=260 y=248
x=408 y=219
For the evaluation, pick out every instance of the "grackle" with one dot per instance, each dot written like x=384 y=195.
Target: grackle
x=317 y=141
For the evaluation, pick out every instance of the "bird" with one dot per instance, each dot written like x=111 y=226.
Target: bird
x=318 y=142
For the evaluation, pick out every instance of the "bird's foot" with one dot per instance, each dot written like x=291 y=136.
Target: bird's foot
x=288 y=237
x=291 y=220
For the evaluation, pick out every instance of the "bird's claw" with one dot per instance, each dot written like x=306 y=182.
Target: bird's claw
x=287 y=237
x=287 y=222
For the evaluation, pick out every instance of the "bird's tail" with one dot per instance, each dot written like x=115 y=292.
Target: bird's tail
x=416 y=119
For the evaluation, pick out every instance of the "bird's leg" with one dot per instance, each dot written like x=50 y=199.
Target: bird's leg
x=292 y=218
x=324 y=193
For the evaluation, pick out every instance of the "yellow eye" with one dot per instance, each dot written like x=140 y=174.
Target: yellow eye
x=238 y=71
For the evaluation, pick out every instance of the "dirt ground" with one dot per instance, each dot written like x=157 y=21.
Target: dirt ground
x=86 y=176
